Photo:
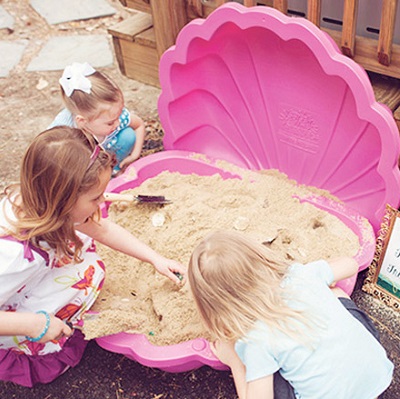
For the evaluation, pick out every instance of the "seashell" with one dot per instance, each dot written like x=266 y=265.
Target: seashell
x=241 y=223
x=158 y=219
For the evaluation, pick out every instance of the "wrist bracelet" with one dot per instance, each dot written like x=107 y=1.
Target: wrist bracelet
x=46 y=327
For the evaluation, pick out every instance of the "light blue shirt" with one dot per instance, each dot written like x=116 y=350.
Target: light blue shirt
x=344 y=361
x=63 y=118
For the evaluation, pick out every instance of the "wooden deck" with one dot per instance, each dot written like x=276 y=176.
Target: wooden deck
x=140 y=41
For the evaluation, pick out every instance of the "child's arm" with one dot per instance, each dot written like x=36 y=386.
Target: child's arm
x=260 y=388
x=225 y=352
x=32 y=325
x=137 y=124
x=343 y=267
x=120 y=239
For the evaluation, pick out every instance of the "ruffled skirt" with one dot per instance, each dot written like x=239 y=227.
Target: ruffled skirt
x=29 y=370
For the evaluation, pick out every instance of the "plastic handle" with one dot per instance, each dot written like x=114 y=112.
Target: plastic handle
x=111 y=197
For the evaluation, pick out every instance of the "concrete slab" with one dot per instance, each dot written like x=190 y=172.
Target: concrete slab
x=11 y=53
x=6 y=19
x=61 y=51
x=58 y=11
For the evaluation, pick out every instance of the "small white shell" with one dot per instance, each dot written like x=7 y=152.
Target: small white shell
x=158 y=219
x=241 y=223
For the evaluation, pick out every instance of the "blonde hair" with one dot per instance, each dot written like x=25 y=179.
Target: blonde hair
x=235 y=282
x=56 y=169
x=103 y=92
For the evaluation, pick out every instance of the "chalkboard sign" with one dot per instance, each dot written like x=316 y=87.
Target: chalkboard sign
x=383 y=279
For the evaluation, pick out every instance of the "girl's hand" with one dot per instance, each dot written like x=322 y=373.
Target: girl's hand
x=128 y=160
x=175 y=271
x=57 y=329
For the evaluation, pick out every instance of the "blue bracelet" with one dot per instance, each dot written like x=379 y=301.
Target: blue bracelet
x=46 y=327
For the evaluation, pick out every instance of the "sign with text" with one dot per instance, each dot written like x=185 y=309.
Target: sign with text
x=383 y=280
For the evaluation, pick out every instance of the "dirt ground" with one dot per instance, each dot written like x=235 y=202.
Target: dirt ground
x=30 y=100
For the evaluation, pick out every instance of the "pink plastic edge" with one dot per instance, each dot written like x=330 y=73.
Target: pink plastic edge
x=182 y=357
x=196 y=353
x=332 y=62
x=166 y=358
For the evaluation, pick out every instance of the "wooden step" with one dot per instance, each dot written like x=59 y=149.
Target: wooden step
x=139 y=5
x=135 y=48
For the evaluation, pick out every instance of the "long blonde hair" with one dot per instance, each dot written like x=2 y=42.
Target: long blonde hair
x=235 y=281
x=56 y=169
x=103 y=92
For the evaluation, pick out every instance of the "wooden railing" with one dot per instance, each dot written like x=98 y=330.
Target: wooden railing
x=381 y=56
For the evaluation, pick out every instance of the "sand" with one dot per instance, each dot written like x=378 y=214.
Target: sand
x=263 y=205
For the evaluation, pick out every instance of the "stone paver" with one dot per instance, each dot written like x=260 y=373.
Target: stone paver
x=6 y=20
x=60 y=51
x=58 y=11
x=11 y=53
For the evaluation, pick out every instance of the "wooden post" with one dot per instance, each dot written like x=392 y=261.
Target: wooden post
x=169 y=17
x=348 y=41
x=388 y=19
x=314 y=12
x=208 y=6
x=281 y=5
x=195 y=7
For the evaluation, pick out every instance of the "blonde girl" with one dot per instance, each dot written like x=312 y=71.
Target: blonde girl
x=95 y=104
x=50 y=273
x=271 y=320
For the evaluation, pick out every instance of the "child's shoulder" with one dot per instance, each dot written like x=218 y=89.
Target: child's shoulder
x=12 y=254
x=63 y=118
x=319 y=269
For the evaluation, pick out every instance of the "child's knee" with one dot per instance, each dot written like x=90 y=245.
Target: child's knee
x=126 y=138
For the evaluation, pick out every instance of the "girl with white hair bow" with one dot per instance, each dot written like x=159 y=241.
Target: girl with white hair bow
x=95 y=104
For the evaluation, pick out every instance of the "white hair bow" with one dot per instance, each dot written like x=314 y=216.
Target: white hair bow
x=74 y=78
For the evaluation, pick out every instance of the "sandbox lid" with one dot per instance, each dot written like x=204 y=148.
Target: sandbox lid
x=264 y=90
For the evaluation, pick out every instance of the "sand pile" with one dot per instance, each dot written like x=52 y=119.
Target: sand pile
x=263 y=205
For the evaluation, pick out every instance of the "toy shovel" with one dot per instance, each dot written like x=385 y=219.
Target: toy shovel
x=90 y=315
x=152 y=199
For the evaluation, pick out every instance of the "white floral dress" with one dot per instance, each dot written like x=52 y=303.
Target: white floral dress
x=31 y=281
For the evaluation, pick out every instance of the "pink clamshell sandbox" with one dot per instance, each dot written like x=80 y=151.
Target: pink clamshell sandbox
x=265 y=91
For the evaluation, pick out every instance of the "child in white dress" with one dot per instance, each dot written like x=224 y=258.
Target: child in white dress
x=50 y=273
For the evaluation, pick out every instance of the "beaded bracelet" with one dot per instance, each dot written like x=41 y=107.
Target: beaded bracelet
x=46 y=327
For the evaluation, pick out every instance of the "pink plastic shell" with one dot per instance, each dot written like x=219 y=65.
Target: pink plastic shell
x=266 y=91
x=263 y=90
